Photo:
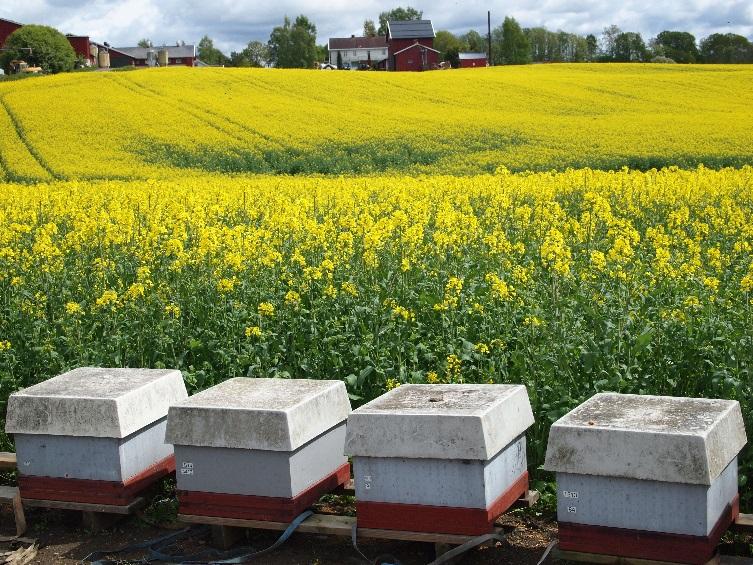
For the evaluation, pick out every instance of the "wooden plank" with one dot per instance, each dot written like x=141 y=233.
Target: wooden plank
x=331 y=525
x=8 y=494
x=743 y=523
x=7 y=461
x=103 y=508
x=580 y=557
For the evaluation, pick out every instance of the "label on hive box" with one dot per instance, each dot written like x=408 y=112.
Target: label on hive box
x=572 y=510
x=186 y=468
x=570 y=494
x=367 y=482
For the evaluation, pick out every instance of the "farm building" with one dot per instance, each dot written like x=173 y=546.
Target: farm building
x=470 y=60
x=358 y=51
x=84 y=48
x=167 y=55
x=411 y=46
x=6 y=28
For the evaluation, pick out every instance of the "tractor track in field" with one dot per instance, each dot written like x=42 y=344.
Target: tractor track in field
x=212 y=113
x=195 y=111
x=21 y=133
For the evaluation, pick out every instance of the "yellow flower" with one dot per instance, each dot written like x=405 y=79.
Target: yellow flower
x=73 y=308
x=225 y=285
x=292 y=298
x=404 y=313
x=349 y=288
x=481 y=348
x=392 y=383
x=266 y=309
x=432 y=377
x=253 y=331
x=172 y=310
x=453 y=368
x=533 y=321
x=108 y=298
x=4 y=345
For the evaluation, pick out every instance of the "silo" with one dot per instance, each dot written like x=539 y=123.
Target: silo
x=104 y=59
x=163 y=58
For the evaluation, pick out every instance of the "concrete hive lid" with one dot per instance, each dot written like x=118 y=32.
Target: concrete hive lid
x=440 y=422
x=267 y=414
x=658 y=438
x=95 y=402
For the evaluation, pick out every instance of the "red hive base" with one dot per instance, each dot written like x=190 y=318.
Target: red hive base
x=438 y=519
x=657 y=546
x=112 y=493
x=266 y=508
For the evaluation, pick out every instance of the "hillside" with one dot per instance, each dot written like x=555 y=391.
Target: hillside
x=159 y=122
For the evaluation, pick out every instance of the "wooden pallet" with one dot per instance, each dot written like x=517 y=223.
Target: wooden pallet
x=95 y=517
x=743 y=523
x=227 y=531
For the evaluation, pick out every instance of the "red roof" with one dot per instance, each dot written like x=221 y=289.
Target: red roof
x=357 y=42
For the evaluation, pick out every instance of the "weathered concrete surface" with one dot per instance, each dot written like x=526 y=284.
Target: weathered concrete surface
x=260 y=473
x=268 y=414
x=439 y=482
x=95 y=402
x=658 y=438
x=440 y=422
x=653 y=506
x=92 y=458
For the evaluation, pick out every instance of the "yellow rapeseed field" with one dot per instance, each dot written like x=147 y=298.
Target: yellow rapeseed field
x=149 y=123
x=576 y=228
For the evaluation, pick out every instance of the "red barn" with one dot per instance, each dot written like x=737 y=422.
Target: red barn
x=411 y=46
x=470 y=60
x=6 y=28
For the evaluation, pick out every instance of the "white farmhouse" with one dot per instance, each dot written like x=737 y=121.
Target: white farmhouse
x=358 y=51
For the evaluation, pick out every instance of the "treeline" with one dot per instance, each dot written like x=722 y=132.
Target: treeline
x=512 y=44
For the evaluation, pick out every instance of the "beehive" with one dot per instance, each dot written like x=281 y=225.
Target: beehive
x=259 y=449
x=439 y=458
x=646 y=477
x=93 y=435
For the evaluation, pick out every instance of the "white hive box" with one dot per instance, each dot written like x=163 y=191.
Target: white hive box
x=93 y=435
x=259 y=449
x=646 y=477
x=439 y=458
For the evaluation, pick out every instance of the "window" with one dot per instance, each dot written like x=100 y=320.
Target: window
x=178 y=61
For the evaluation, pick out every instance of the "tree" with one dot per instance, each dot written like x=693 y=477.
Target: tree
x=726 y=48
x=592 y=47
x=340 y=60
x=677 y=45
x=293 y=45
x=369 y=29
x=49 y=49
x=146 y=43
x=449 y=47
x=608 y=38
x=629 y=47
x=514 y=47
x=255 y=54
x=209 y=54
x=475 y=41
x=397 y=15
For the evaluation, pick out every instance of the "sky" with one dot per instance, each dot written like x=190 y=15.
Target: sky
x=233 y=23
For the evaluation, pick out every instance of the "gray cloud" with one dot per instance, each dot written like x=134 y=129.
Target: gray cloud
x=233 y=23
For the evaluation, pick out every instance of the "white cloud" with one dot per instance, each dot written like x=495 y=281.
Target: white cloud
x=233 y=23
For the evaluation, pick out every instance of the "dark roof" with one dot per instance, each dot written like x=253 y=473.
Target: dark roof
x=357 y=42
x=411 y=29
x=173 y=51
x=470 y=56
x=11 y=22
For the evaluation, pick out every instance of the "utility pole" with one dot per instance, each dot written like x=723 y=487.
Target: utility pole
x=489 y=34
